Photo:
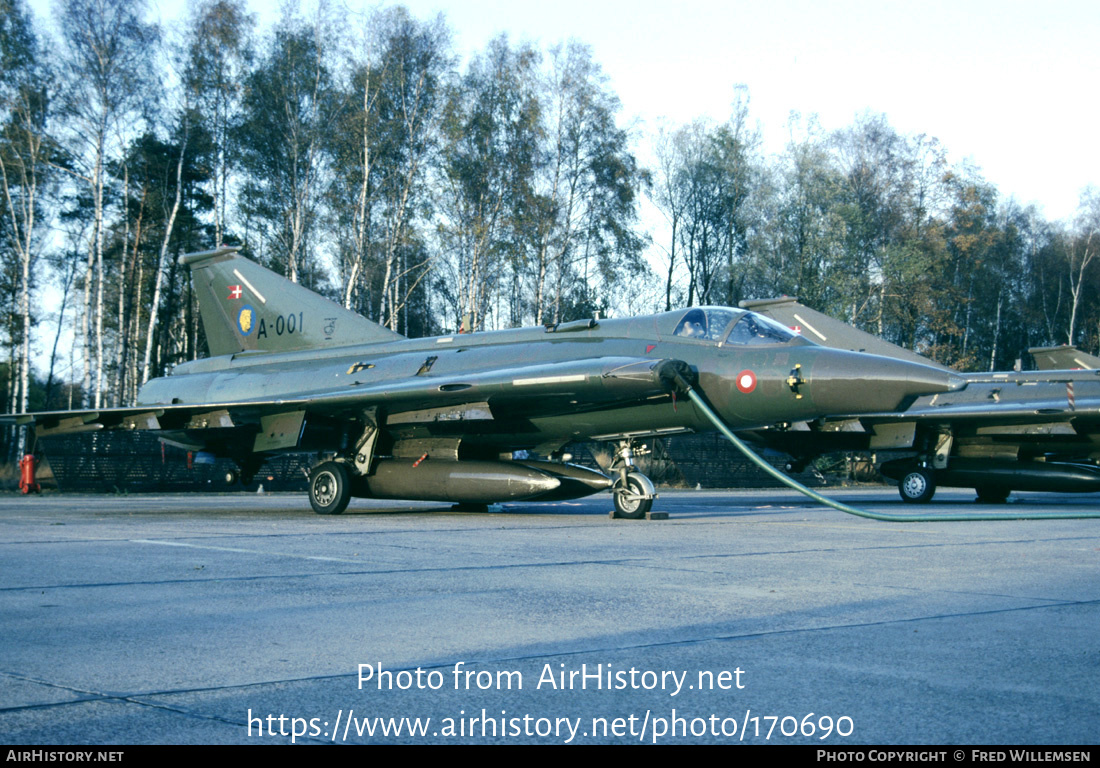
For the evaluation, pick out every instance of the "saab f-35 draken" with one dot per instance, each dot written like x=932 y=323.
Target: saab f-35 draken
x=482 y=417
x=1002 y=432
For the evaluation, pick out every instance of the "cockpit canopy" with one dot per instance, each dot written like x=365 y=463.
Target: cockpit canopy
x=723 y=325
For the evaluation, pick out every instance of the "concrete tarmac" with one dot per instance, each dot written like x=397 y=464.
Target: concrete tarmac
x=748 y=616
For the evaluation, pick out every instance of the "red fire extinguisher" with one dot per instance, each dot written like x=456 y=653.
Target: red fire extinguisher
x=27 y=483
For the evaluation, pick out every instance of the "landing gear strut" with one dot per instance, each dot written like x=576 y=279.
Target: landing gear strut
x=633 y=492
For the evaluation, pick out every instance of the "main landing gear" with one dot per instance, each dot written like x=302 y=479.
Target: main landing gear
x=918 y=485
x=329 y=488
x=330 y=482
x=633 y=492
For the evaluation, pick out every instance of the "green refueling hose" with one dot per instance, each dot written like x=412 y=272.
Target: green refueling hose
x=788 y=481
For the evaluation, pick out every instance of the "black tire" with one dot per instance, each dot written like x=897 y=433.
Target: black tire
x=631 y=508
x=231 y=477
x=992 y=494
x=917 y=486
x=329 y=488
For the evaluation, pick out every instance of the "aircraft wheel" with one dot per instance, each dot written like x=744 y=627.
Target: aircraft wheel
x=230 y=477
x=992 y=494
x=630 y=501
x=329 y=488
x=918 y=485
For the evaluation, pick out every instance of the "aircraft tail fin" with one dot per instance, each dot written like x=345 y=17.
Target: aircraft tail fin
x=829 y=331
x=1063 y=358
x=246 y=307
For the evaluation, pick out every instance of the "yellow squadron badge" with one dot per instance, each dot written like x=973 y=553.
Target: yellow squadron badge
x=244 y=320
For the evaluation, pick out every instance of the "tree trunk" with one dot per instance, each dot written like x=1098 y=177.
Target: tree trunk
x=160 y=262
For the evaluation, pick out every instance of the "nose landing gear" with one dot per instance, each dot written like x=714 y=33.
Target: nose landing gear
x=633 y=492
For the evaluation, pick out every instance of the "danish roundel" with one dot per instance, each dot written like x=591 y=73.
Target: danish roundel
x=746 y=381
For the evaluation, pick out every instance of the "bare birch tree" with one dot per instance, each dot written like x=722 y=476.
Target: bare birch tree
x=1081 y=251
x=219 y=54
x=290 y=106
x=25 y=153
x=107 y=56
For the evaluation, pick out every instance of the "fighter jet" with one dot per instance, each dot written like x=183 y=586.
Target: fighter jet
x=482 y=417
x=1002 y=432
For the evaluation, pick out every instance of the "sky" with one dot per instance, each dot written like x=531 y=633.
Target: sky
x=1008 y=86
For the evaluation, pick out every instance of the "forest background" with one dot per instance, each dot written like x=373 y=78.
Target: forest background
x=361 y=156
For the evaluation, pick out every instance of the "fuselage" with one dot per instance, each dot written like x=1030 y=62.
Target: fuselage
x=753 y=371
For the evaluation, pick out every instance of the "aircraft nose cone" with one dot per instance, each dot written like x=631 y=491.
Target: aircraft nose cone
x=853 y=382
